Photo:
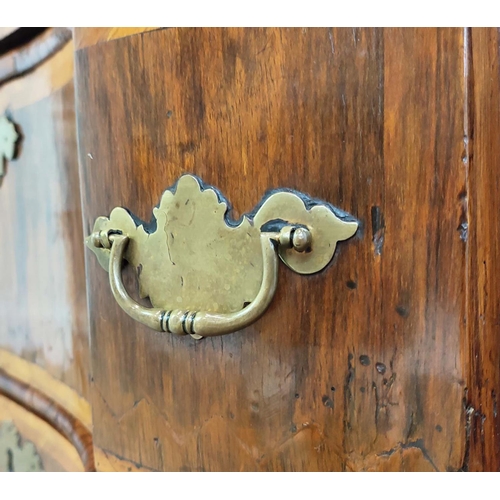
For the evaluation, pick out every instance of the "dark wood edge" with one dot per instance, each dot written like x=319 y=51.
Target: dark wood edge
x=27 y=57
x=51 y=412
x=17 y=38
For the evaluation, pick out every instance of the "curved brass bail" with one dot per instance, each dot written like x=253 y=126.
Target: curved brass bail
x=195 y=323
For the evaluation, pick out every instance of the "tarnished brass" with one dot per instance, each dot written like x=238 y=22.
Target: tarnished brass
x=17 y=454
x=8 y=140
x=204 y=273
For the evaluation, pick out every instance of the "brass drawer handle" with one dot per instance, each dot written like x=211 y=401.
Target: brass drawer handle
x=197 y=324
x=192 y=254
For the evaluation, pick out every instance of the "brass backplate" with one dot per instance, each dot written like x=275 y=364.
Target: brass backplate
x=193 y=256
x=8 y=141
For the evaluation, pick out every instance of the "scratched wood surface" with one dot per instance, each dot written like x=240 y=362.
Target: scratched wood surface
x=361 y=367
x=43 y=310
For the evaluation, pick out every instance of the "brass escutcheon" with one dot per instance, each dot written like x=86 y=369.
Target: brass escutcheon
x=205 y=273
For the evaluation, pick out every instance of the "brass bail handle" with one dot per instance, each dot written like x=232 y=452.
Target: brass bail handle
x=201 y=324
x=205 y=273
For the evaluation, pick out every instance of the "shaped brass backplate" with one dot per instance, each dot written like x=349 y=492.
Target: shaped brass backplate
x=8 y=141
x=193 y=257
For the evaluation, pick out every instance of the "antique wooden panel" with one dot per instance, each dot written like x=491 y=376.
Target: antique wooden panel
x=44 y=362
x=483 y=306
x=43 y=311
x=361 y=367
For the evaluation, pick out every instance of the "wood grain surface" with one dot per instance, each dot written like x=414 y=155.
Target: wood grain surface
x=106 y=461
x=43 y=309
x=483 y=304
x=363 y=366
x=43 y=382
x=85 y=37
